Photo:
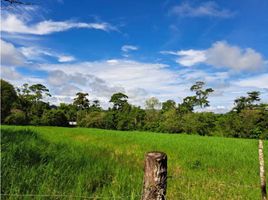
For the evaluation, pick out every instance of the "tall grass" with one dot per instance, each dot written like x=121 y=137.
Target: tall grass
x=80 y=162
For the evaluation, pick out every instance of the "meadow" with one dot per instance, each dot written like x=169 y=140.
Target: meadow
x=85 y=163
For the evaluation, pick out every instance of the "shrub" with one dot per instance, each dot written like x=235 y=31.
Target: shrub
x=171 y=122
x=17 y=117
x=54 y=118
x=243 y=124
x=8 y=98
x=199 y=123
x=93 y=120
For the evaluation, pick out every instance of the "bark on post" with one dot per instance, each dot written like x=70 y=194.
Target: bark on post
x=155 y=176
x=262 y=171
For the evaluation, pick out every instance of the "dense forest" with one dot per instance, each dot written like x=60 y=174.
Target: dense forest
x=26 y=106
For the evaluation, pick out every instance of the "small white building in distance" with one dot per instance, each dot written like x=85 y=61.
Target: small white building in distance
x=72 y=123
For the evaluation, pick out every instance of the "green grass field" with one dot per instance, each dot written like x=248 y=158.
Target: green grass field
x=102 y=164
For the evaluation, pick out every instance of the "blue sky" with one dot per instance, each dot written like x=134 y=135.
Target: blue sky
x=142 y=48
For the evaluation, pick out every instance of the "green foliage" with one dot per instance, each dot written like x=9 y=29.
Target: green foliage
x=39 y=91
x=168 y=105
x=171 y=122
x=242 y=102
x=54 y=118
x=124 y=119
x=243 y=124
x=199 y=123
x=17 y=117
x=95 y=106
x=187 y=105
x=93 y=119
x=69 y=110
x=201 y=95
x=118 y=100
x=81 y=101
x=152 y=120
x=36 y=112
x=110 y=119
x=8 y=98
x=248 y=119
x=152 y=104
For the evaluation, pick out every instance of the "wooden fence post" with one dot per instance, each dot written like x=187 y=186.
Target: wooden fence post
x=262 y=171
x=155 y=176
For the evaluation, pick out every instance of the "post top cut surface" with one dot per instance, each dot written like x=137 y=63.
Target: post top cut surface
x=156 y=154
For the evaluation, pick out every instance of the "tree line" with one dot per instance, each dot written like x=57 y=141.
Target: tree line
x=26 y=106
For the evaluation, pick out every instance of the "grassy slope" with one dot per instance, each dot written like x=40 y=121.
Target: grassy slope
x=92 y=162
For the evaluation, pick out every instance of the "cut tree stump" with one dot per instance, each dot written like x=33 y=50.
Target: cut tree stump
x=155 y=176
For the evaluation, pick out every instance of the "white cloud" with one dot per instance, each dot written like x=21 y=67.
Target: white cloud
x=127 y=48
x=139 y=81
x=9 y=73
x=188 y=57
x=103 y=78
x=221 y=54
x=10 y=55
x=258 y=81
x=15 y=24
x=205 y=9
x=37 y=53
x=63 y=58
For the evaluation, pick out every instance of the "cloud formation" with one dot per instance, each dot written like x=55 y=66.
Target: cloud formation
x=12 y=23
x=221 y=54
x=210 y=9
x=10 y=55
x=9 y=73
x=37 y=53
x=127 y=48
x=258 y=81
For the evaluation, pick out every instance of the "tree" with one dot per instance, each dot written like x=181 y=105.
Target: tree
x=93 y=119
x=199 y=123
x=36 y=111
x=95 y=106
x=168 y=105
x=81 y=101
x=54 y=118
x=171 y=122
x=39 y=91
x=69 y=110
x=30 y=101
x=17 y=117
x=152 y=103
x=118 y=100
x=201 y=95
x=253 y=97
x=8 y=98
x=187 y=105
x=242 y=102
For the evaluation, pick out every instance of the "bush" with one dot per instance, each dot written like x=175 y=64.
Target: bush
x=8 y=98
x=93 y=120
x=242 y=125
x=171 y=122
x=35 y=120
x=17 y=117
x=199 y=123
x=54 y=118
